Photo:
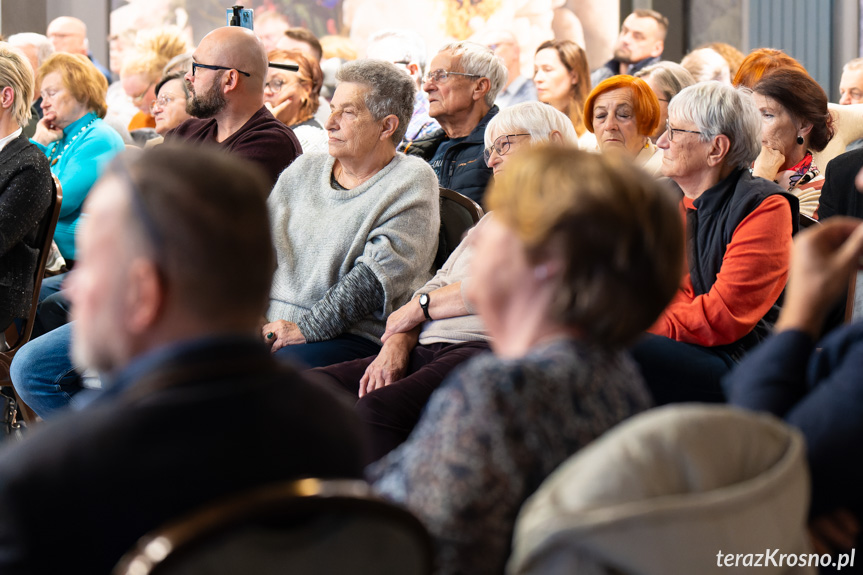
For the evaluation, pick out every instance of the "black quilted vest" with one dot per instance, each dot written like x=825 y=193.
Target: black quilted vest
x=709 y=228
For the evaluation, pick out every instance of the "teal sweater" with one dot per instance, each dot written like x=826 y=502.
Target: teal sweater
x=78 y=168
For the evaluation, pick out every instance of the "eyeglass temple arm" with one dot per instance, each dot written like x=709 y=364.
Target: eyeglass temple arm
x=288 y=67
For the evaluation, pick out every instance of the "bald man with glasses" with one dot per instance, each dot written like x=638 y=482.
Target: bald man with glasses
x=226 y=102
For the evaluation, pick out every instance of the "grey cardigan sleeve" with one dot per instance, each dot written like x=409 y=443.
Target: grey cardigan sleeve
x=354 y=297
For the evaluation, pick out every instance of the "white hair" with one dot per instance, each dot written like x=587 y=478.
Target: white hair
x=720 y=109
x=44 y=47
x=534 y=118
x=480 y=60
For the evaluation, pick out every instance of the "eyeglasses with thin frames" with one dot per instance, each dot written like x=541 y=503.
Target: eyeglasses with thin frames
x=275 y=85
x=161 y=102
x=441 y=76
x=196 y=65
x=671 y=131
x=500 y=145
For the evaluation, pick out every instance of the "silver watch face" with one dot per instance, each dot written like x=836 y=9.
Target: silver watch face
x=424 y=299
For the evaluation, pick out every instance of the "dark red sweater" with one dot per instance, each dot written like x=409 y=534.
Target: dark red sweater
x=262 y=139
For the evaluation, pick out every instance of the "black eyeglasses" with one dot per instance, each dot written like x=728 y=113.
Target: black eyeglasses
x=441 y=76
x=500 y=145
x=671 y=131
x=195 y=67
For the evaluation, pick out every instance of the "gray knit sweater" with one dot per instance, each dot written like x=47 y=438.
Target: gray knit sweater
x=454 y=329
x=390 y=223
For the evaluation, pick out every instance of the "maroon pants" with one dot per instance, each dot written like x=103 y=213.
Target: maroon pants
x=390 y=413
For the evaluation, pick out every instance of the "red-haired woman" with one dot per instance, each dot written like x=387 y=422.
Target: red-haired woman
x=759 y=62
x=623 y=112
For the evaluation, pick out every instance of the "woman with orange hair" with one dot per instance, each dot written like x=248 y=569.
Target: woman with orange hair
x=562 y=80
x=623 y=112
x=759 y=62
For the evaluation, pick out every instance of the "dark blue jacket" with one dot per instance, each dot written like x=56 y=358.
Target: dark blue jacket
x=612 y=68
x=463 y=168
x=817 y=388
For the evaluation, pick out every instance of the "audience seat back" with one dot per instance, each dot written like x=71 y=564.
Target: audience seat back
x=458 y=214
x=303 y=527
x=849 y=128
x=667 y=490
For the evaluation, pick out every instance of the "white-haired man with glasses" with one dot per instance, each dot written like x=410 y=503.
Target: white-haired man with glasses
x=462 y=83
x=226 y=87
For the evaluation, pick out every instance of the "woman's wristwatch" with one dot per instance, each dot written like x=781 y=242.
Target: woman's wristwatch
x=425 y=300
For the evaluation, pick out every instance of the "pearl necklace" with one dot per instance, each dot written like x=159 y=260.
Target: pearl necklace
x=69 y=143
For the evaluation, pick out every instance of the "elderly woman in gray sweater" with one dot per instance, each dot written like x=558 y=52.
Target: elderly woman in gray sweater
x=355 y=230
x=438 y=329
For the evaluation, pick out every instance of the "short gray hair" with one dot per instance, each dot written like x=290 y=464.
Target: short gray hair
x=480 y=60
x=411 y=46
x=670 y=77
x=720 y=109
x=534 y=118
x=390 y=91
x=43 y=45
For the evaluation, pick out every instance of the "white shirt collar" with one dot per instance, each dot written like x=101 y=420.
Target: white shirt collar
x=10 y=137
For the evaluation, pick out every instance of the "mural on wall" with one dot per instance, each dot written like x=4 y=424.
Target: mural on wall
x=437 y=21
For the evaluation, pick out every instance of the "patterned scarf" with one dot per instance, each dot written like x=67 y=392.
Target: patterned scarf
x=803 y=172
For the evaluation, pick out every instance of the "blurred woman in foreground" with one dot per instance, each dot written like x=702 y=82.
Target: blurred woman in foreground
x=581 y=254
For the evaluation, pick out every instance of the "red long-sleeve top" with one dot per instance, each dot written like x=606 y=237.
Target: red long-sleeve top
x=753 y=274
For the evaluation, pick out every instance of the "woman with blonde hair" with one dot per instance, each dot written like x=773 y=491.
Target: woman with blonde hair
x=143 y=67
x=562 y=80
x=292 y=93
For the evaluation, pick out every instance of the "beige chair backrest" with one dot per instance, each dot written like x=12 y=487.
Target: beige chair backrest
x=667 y=490
x=849 y=127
